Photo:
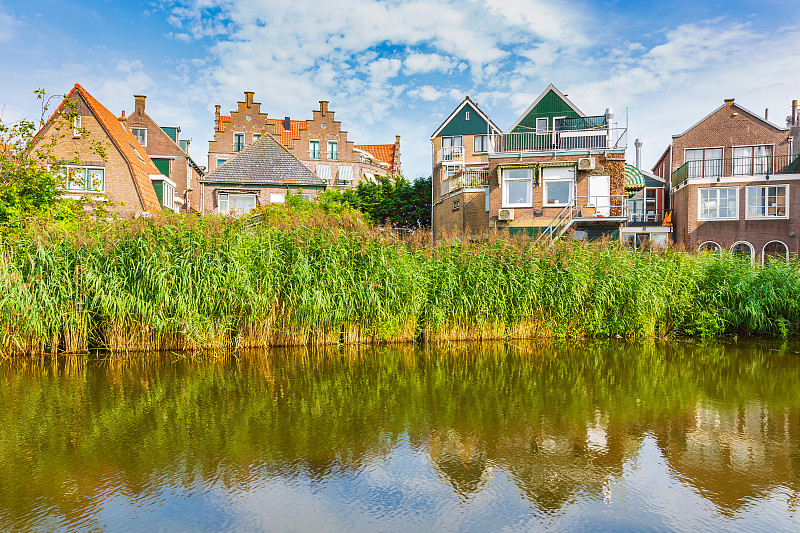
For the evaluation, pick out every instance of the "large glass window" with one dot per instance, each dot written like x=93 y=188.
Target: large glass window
x=751 y=160
x=767 y=201
x=541 y=124
x=84 y=179
x=236 y=203
x=719 y=202
x=238 y=142
x=704 y=162
x=452 y=148
x=559 y=185
x=333 y=150
x=313 y=149
x=517 y=187
x=140 y=134
x=480 y=144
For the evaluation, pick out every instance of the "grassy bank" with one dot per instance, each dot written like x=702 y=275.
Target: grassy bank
x=311 y=278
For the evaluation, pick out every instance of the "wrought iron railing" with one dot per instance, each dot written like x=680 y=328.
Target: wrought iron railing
x=764 y=165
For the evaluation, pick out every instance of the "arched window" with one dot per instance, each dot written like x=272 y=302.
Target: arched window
x=776 y=249
x=743 y=249
x=709 y=246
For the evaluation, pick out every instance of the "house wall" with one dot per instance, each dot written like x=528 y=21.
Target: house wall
x=611 y=164
x=120 y=189
x=728 y=127
x=550 y=106
x=263 y=193
x=160 y=144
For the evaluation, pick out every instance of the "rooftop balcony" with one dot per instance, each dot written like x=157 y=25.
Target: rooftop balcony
x=761 y=167
x=467 y=178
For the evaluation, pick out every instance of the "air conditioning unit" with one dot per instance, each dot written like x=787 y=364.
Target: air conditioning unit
x=586 y=163
x=505 y=214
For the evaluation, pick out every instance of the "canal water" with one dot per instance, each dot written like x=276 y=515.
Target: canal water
x=491 y=437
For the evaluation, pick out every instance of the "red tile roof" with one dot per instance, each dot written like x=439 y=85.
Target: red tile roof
x=381 y=152
x=140 y=164
x=288 y=137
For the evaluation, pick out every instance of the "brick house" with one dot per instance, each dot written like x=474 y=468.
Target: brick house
x=121 y=173
x=262 y=173
x=320 y=143
x=179 y=190
x=554 y=170
x=733 y=183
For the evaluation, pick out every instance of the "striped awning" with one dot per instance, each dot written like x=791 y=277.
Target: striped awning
x=634 y=178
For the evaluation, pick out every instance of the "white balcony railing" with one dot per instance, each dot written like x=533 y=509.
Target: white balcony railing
x=450 y=154
x=558 y=140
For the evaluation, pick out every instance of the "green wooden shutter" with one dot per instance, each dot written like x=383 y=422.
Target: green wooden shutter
x=159 y=188
x=162 y=165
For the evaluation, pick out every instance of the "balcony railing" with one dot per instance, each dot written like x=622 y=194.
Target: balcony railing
x=601 y=138
x=650 y=215
x=467 y=178
x=765 y=165
x=450 y=154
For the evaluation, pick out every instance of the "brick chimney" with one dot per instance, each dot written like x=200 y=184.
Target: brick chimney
x=138 y=103
x=123 y=120
x=248 y=98
x=396 y=162
x=323 y=107
x=729 y=102
x=216 y=118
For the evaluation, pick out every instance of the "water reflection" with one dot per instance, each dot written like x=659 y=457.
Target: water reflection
x=462 y=437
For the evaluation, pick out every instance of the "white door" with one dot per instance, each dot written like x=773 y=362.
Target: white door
x=600 y=194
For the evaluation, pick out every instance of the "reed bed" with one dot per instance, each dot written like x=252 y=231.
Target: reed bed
x=176 y=283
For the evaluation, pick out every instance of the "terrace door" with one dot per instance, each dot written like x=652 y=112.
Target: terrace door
x=600 y=194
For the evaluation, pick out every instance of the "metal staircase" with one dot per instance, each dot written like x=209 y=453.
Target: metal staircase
x=558 y=226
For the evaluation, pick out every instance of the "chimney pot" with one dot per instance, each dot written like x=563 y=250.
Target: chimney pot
x=766 y=113
x=248 y=98
x=794 y=113
x=729 y=101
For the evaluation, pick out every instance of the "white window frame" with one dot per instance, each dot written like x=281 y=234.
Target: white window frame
x=76 y=126
x=700 y=203
x=715 y=243
x=70 y=188
x=703 y=175
x=546 y=125
x=750 y=188
x=504 y=187
x=256 y=136
x=313 y=154
x=749 y=245
x=221 y=161
x=764 y=257
x=332 y=155
x=277 y=198
x=144 y=137
x=235 y=134
x=227 y=196
x=546 y=181
x=466 y=115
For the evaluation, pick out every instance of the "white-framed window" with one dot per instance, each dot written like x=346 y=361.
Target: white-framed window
x=709 y=246
x=277 y=198
x=84 y=179
x=480 y=144
x=313 y=149
x=333 y=150
x=235 y=203
x=743 y=249
x=541 y=125
x=718 y=203
x=238 y=142
x=775 y=249
x=558 y=184
x=306 y=197
x=751 y=160
x=140 y=134
x=345 y=176
x=466 y=115
x=456 y=205
x=704 y=162
x=448 y=171
x=324 y=172
x=76 y=126
x=256 y=136
x=452 y=148
x=768 y=201
x=517 y=187
x=221 y=161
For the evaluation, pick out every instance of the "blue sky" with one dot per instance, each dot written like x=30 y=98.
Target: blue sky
x=394 y=67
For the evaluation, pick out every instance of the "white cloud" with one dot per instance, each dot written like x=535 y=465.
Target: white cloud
x=427 y=92
x=424 y=63
x=8 y=26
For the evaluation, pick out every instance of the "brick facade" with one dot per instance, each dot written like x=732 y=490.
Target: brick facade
x=248 y=120
x=211 y=193
x=160 y=145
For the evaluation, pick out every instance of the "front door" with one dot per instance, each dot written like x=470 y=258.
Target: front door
x=600 y=194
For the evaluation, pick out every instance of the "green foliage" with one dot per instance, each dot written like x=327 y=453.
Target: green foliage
x=400 y=203
x=308 y=276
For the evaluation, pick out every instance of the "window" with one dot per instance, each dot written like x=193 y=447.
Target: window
x=345 y=175
x=238 y=142
x=256 y=136
x=449 y=171
x=324 y=172
x=541 y=124
x=306 y=197
x=466 y=116
x=751 y=160
x=84 y=179
x=452 y=148
x=456 y=205
x=333 y=150
x=517 y=187
x=76 y=127
x=704 y=162
x=277 y=198
x=140 y=134
x=767 y=201
x=135 y=151
x=313 y=149
x=743 y=249
x=236 y=203
x=719 y=202
x=774 y=250
x=221 y=161
x=559 y=185
x=709 y=246
x=480 y=144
